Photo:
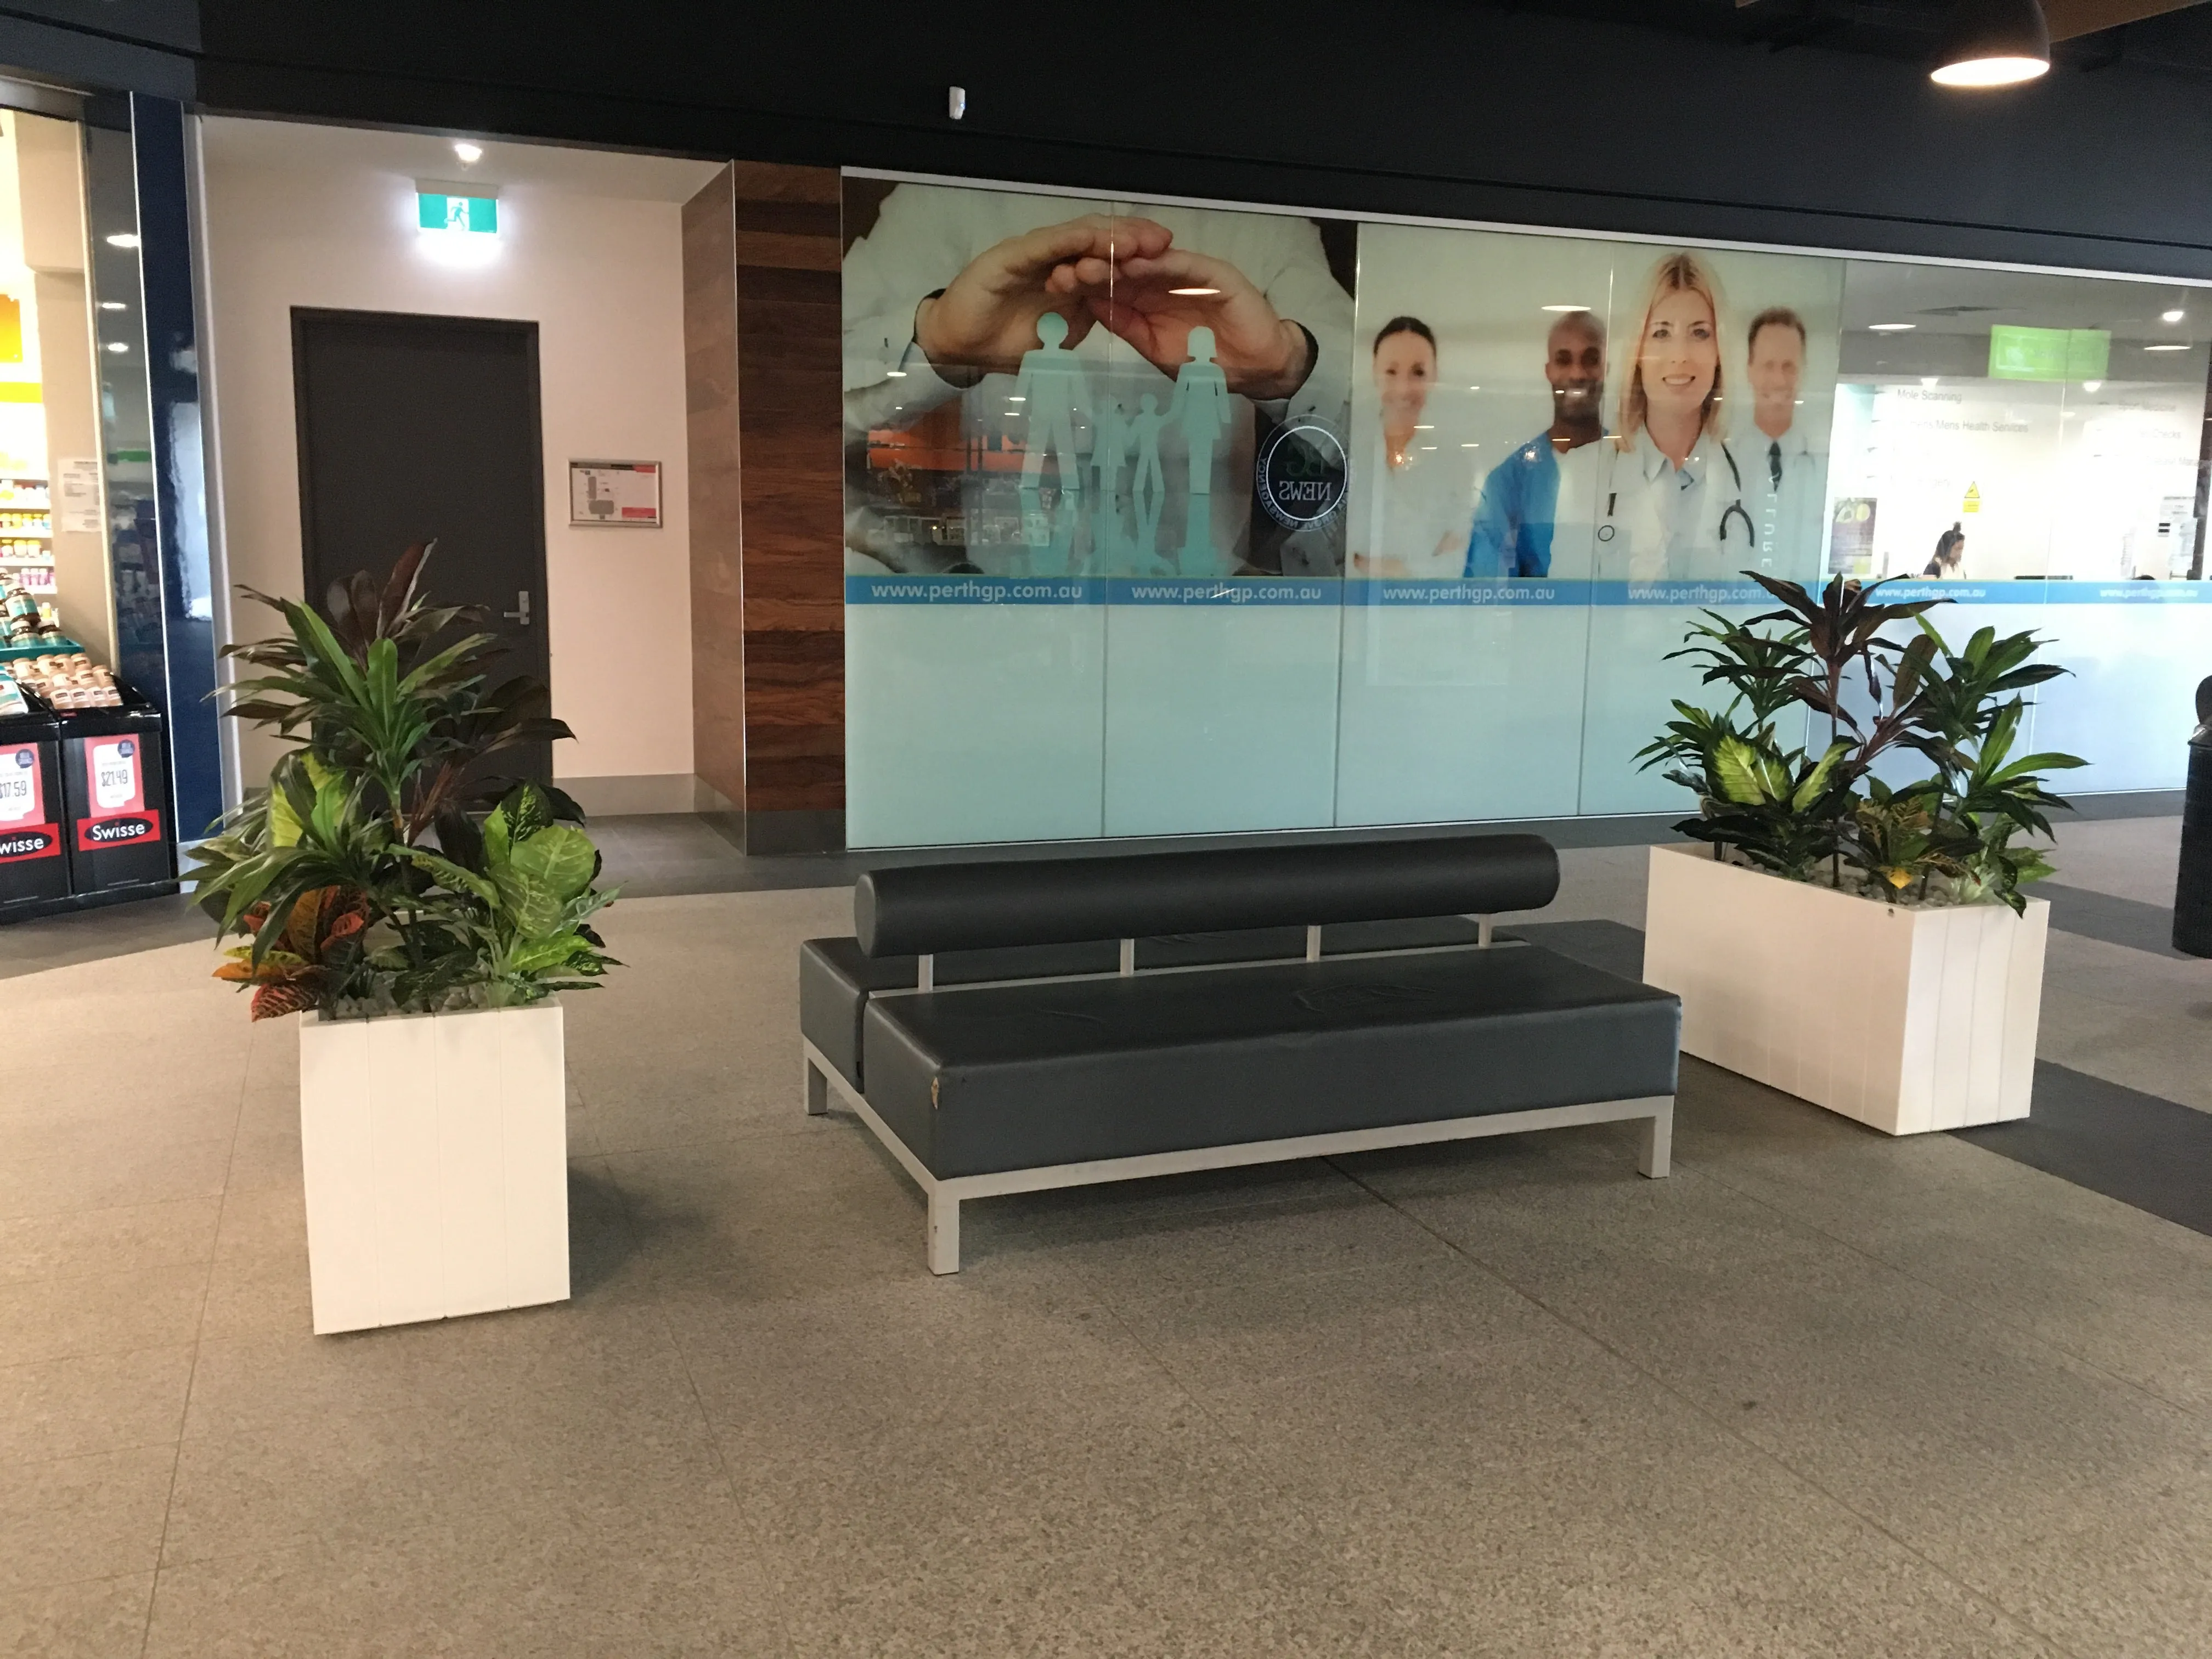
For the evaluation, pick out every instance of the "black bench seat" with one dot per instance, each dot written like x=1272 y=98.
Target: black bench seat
x=836 y=977
x=1019 y=1076
x=1007 y=1026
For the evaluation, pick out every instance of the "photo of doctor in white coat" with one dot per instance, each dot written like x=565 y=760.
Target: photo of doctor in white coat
x=1663 y=500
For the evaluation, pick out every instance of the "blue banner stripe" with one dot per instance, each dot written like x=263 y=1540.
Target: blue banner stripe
x=1536 y=590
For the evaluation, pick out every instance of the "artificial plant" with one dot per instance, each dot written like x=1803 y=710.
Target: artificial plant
x=386 y=868
x=1846 y=659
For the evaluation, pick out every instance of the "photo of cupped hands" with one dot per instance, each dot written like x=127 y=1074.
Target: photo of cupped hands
x=1125 y=275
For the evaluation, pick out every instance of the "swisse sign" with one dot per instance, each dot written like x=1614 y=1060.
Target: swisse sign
x=125 y=829
x=33 y=841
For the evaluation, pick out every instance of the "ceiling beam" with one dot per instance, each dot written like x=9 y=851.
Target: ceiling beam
x=2071 y=19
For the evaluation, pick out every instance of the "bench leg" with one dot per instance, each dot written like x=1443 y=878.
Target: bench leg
x=943 y=1234
x=818 y=1090
x=1652 y=1158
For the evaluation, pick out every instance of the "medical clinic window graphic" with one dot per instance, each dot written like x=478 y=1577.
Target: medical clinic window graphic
x=464 y=210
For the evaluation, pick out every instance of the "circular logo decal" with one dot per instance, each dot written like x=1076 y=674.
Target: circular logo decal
x=1302 y=472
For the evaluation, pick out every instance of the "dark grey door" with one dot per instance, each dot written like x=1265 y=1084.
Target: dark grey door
x=418 y=428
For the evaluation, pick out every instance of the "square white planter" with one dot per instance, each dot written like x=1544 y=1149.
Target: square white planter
x=1907 y=1020
x=436 y=1153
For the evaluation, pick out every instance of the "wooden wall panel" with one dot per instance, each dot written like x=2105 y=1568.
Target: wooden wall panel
x=710 y=381
x=774 y=476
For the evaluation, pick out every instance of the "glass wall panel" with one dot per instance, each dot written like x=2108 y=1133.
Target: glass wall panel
x=1166 y=518
x=1687 y=514
x=974 y=631
x=1221 y=629
x=1466 y=630
x=2029 y=445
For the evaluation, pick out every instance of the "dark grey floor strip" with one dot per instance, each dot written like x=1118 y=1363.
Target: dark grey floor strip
x=2144 y=1151
x=2130 y=922
x=2141 y=1149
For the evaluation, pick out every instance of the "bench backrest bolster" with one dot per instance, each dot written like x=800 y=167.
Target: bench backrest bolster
x=920 y=909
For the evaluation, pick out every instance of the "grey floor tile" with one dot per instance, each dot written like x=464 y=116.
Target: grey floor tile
x=487 y=1363
x=1222 y=1342
x=86 y=1243
x=1456 y=1413
x=97 y=1403
x=1701 y=1548
x=911 y=1351
x=65 y=1519
x=125 y=1176
x=65 y=1318
x=1134 y=1258
x=91 y=1619
x=537 y=1586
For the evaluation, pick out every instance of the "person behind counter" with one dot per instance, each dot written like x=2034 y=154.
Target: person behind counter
x=1416 y=507
x=1512 y=531
x=1950 y=555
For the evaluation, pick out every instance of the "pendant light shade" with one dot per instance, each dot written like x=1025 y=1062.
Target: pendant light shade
x=1993 y=43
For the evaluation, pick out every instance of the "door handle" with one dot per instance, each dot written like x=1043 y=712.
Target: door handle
x=521 y=613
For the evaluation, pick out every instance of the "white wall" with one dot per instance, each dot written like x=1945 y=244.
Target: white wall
x=301 y=215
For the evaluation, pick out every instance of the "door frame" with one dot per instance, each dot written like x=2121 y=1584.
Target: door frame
x=304 y=317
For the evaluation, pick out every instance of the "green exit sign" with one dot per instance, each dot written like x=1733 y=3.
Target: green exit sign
x=479 y=214
x=470 y=208
x=2049 y=354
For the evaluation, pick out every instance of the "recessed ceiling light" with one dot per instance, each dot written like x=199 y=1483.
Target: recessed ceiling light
x=1475 y=388
x=2172 y=316
x=469 y=154
x=113 y=305
x=1992 y=43
x=117 y=345
x=2166 y=348
x=1470 y=445
x=1195 y=290
x=1566 y=307
x=895 y=374
x=1890 y=328
x=124 y=239
x=1424 y=428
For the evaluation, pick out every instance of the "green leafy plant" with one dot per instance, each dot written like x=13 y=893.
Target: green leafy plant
x=456 y=888
x=1948 y=838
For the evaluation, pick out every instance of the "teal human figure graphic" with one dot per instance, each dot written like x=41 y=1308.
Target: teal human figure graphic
x=1054 y=396
x=1048 y=533
x=1148 y=489
x=1201 y=405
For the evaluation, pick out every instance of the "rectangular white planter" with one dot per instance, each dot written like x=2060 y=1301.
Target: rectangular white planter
x=1907 y=1020
x=436 y=1153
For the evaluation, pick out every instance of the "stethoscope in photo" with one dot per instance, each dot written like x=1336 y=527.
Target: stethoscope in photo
x=1733 y=510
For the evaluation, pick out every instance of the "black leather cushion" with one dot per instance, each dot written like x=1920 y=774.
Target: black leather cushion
x=1020 y=1077
x=835 y=976
x=974 y=906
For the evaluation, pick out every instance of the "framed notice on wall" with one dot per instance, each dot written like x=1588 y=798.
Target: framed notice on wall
x=615 y=492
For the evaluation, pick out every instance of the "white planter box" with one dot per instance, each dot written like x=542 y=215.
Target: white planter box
x=1907 y=1020
x=436 y=1148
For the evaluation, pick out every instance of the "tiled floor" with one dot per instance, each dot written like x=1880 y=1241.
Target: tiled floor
x=1821 y=1392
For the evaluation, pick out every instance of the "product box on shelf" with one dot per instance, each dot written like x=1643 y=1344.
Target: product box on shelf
x=115 y=785
x=34 y=876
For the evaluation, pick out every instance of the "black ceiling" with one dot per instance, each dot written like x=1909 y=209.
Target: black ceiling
x=1905 y=29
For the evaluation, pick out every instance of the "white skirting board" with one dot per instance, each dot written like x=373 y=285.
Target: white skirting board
x=1906 y=1020
x=436 y=1154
